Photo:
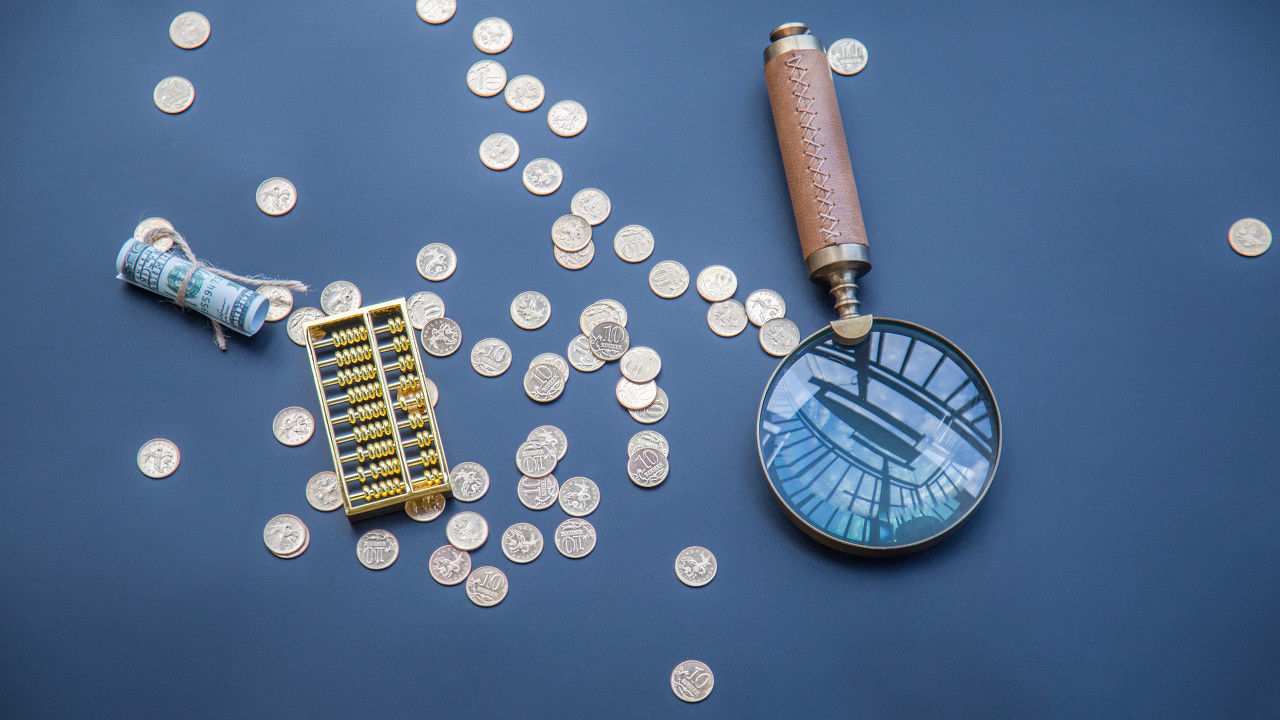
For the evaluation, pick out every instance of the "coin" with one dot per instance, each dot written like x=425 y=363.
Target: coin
x=575 y=260
x=553 y=436
x=640 y=364
x=575 y=538
x=580 y=355
x=424 y=306
x=441 y=337
x=538 y=493
x=542 y=176
x=436 y=11
x=158 y=458
x=524 y=93
x=490 y=357
x=276 y=196
x=486 y=78
x=286 y=536
x=601 y=311
x=647 y=467
x=293 y=426
x=469 y=480
x=467 y=530
x=449 y=565
x=543 y=383
x=161 y=244
x=436 y=261
x=530 y=310
x=1249 y=237
x=763 y=306
x=174 y=94
x=535 y=458
x=579 y=496
x=499 y=151
x=633 y=243
x=339 y=297
x=570 y=233
x=425 y=508
x=654 y=412
x=522 y=543
x=189 y=30
x=847 y=56
x=377 y=549
x=492 y=35
x=695 y=566
x=635 y=396
x=779 y=336
x=279 y=301
x=668 y=279
x=716 y=283
x=486 y=586
x=648 y=439
x=323 y=491
x=552 y=359
x=591 y=205
x=298 y=319
x=433 y=392
x=726 y=318
x=692 y=681
x=608 y=340
x=567 y=118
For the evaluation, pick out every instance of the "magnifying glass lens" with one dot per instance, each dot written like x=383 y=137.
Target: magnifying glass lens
x=882 y=447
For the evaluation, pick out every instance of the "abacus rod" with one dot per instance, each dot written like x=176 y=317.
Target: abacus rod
x=395 y=325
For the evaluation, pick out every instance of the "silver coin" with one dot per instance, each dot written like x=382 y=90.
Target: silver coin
x=579 y=496
x=339 y=297
x=492 y=35
x=425 y=508
x=553 y=436
x=726 y=318
x=486 y=586
x=490 y=357
x=575 y=538
x=716 y=283
x=1249 y=237
x=323 y=491
x=522 y=543
x=153 y=223
x=779 y=336
x=647 y=467
x=433 y=392
x=174 y=94
x=847 y=56
x=633 y=243
x=158 y=458
x=297 y=321
x=538 y=493
x=763 y=306
x=276 y=196
x=469 y=481
x=692 y=681
x=567 y=118
x=695 y=566
x=635 y=396
x=286 y=536
x=542 y=176
x=552 y=359
x=570 y=233
x=306 y=543
x=467 y=530
x=499 y=151
x=189 y=30
x=279 y=301
x=436 y=11
x=524 y=93
x=640 y=364
x=654 y=412
x=436 y=261
x=580 y=356
x=668 y=279
x=543 y=383
x=530 y=310
x=535 y=458
x=486 y=78
x=601 y=311
x=441 y=337
x=591 y=205
x=648 y=439
x=575 y=260
x=377 y=549
x=449 y=565
x=608 y=340
x=293 y=426
x=424 y=306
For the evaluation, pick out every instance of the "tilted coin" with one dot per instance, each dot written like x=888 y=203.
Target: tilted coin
x=692 y=681
x=492 y=35
x=763 y=306
x=174 y=94
x=530 y=310
x=323 y=491
x=158 y=458
x=490 y=357
x=668 y=279
x=553 y=436
x=467 y=530
x=377 y=549
x=424 y=306
x=436 y=261
x=542 y=176
x=716 y=283
x=469 y=480
x=1249 y=237
x=276 y=196
x=522 y=543
x=298 y=320
x=486 y=586
x=591 y=204
x=552 y=359
x=189 y=30
x=339 y=297
x=580 y=356
x=575 y=538
x=635 y=396
x=579 y=496
x=293 y=426
x=535 y=458
x=524 y=93
x=436 y=11
x=654 y=412
x=648 y=439
x=449 y=565
x=567 y=118
x=441 y=337
x=695 y=566
x=647 y=467
x=425 y=508
x=608 y=340
x=286 y=536
x=575 y=260
x=601 y=311
x=726 y=318
x=570 y=233
x=779 y=336
x=279 y=301
x=633 y=243
x=486 y=78
x=433 y=392
x=499 y=151
x=847 y=56
x=640 y=364
x=543 y=383
x=538 y=493
x=161 y=244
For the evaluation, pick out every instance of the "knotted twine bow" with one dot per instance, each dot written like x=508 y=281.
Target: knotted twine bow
x=184 y=247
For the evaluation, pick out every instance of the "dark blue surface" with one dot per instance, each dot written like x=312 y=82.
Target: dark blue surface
x=1048 y=184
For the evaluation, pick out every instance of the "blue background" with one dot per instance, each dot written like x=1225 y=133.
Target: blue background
x=1049 y=184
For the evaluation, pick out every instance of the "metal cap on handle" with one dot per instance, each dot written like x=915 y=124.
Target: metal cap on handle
x=815 y=157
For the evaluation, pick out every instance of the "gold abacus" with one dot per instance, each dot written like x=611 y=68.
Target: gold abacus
x=388 y=450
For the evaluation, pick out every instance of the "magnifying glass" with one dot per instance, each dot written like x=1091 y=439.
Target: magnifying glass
x=877 y=436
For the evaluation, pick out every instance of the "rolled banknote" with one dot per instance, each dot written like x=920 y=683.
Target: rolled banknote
x=224 y=301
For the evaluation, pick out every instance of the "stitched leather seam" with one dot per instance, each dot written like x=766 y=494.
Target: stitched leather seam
x=805 y=100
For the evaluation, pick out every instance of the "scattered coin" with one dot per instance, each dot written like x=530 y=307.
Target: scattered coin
x=486 y=78
x=601 y=311
x=298 y=320
x=467 y=530
x=648 y=439
x=377 y=549
x=436 y=11
x=522 y=543
x=1249 y=237
x=524 y=93
x=591 y=205
x=580 y=356
x=449 y=565
x=847 y=56
x=570 y=233
x=535 y=458
x=608 y=340
x=635 y=396
x=542 y=176
x=279 y=301
x=726 y=318
x=499 y=151
x=647 y=467
x=441 y=337
x=567 y=118
x=323 y=491
x=293 y=426
x=436 y=261
x=276 y=196
x=492 y=35
x=158 y=458
x=552 y=436
x=575 y=260
x=668 y=279
x=189 y=30
x=486 y=586
x=716 y=283
x=153 y=223
x=538 y=493
x=424 y=306
x=433 y=392
x=763 y=306
x=692 y=681
x=530 y=310
x=469 y=480
x=640 y=364
x=425 y=508
x=575 y=538
x=339 y=297
x=695 y=566
x=543 y=383
x=633 y=243
x=552 y=359
x=174 y=94
x=779 y=336
x=490 y=357
x=654 y=412
x=286 y=536
x=579 y=496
